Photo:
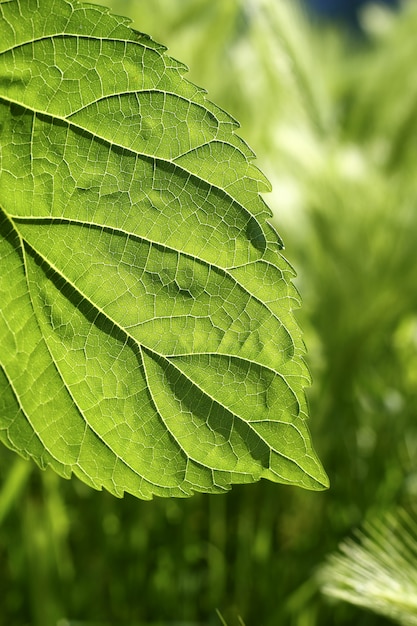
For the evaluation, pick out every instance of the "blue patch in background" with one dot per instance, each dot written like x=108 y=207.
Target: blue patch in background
x=343 y=10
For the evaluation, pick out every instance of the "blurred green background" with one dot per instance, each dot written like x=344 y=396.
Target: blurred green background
x=332 y=117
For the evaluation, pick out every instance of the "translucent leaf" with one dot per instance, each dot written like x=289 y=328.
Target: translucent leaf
x=147 y=337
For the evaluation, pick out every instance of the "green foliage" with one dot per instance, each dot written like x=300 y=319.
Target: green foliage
x=147 y=330
x=312 y=111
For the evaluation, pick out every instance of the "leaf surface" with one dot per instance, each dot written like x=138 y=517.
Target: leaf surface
x=147 y=337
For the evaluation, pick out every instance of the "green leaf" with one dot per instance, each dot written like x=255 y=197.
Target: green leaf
x=148 y=343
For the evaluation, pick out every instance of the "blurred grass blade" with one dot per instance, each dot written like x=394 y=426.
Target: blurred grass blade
x=378 y=569
x=12 y=485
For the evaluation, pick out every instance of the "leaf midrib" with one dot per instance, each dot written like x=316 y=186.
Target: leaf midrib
x=87 y=37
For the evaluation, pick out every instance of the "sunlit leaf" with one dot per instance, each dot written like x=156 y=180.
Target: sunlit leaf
x=147 y=337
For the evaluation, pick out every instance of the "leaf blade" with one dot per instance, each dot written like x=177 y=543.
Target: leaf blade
x=160 y=307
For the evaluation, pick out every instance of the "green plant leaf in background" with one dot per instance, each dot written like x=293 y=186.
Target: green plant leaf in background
x=147 y=337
